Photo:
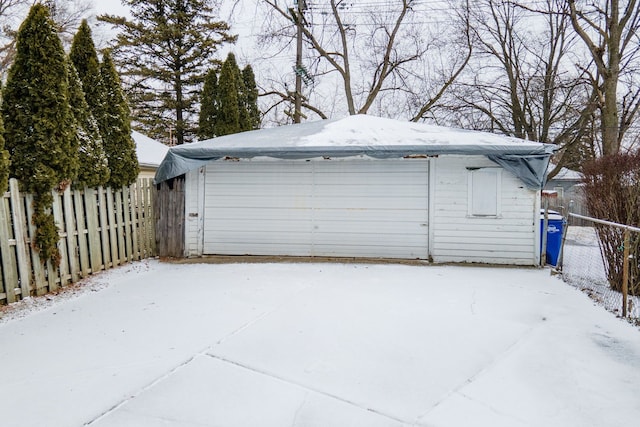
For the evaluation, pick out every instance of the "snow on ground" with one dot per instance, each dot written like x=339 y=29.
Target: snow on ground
x=583 y=267
x=320 y=345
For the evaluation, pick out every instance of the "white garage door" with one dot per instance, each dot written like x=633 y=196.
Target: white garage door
x=342 y=208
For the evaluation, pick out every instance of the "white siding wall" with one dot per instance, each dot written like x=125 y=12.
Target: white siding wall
x=194 y=212
x=146 y=172
x=454 y=235
x=509 y=238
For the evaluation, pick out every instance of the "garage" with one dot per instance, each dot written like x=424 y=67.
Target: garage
x=357 y=187
x=320 y=207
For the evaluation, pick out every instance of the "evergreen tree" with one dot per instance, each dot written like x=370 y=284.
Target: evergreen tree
x=167 y=43
x=4 y=156
x=94 y=168
x=251 y=99
x=229 y=104
x=85 y=60
x=208 y=106
x=243 y=114
x=228 y=117
x=114 y=122
x=39 y=127
x=4 y=160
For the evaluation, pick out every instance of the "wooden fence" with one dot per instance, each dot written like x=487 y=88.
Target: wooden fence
x=170 y=221
x=98 y=228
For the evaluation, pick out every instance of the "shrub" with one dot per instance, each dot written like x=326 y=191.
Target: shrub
x=612 y=193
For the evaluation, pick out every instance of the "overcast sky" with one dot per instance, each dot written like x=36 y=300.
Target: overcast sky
x=102 y=32
x=241 y=21
x=113 y=7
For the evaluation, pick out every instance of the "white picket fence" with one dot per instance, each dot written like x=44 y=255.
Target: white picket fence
x=98 y=228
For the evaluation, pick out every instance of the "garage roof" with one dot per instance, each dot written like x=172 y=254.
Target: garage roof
x=362 y=135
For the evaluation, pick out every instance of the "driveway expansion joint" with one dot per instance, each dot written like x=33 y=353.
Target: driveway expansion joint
x=307 y=388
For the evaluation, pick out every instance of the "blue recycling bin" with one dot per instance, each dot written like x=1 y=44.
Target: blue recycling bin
x=555 y=225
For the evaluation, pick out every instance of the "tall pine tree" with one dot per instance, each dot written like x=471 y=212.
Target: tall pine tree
x=84 y=57
x=94 y=168
x=229 y=104
x=228 y=117
x=251 y=99
x=39 y=127
x=208 y=106
x=167 y=44
x=243 y=114
x=114 y=122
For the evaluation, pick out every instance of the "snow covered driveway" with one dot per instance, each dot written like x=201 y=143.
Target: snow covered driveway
x=320 y=345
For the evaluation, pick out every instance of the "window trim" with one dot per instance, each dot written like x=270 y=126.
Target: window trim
x=470 y=191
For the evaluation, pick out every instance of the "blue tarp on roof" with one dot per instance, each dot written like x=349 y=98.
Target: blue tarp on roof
x=361 y=135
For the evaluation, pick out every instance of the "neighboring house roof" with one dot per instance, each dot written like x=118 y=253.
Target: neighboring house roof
x=566 y=174
x=362 y=135
x=150 y=152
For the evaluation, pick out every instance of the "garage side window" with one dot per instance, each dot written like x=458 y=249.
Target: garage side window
x=484 y=192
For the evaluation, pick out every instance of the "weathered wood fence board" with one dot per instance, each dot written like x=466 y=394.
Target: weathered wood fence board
x=169 y=213
x=83 y=248
x=127 y=223
x=22 y=247
x=38 y=268
x=8 y=272
x=93 y=229
x=104 y=229
x=98 y=228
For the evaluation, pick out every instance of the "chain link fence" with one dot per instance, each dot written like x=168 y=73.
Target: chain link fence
x=592 y=258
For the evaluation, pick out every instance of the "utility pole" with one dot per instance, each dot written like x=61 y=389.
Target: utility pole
x=298 y=16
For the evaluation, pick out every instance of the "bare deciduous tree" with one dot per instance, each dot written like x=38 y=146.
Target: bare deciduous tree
x=522 y=80
x=455 y=64
x=612 y=192
x=610 y=29
x=364 y=57
x=11 y=12
x=67 y=15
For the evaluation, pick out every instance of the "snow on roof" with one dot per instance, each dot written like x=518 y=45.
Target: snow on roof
x=356 y=131
x=150 y=152
x=566 y=174
x=361 y=130
x=350 y=136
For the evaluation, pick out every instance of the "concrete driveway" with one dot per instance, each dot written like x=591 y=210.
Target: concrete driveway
x=153 y=344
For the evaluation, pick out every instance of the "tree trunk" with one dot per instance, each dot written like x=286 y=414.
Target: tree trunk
x=179 y=118
x=609 y=117
x=616 y=29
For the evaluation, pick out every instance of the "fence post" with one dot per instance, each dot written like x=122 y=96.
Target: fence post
x=625 y=272
x=564 y=238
